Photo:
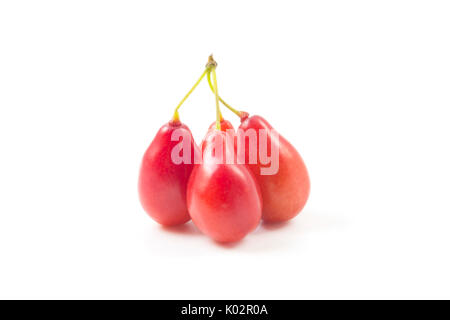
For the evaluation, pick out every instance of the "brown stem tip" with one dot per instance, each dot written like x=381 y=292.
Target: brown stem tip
x=211 y=62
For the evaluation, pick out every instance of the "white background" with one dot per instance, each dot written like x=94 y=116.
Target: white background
x=361 y=88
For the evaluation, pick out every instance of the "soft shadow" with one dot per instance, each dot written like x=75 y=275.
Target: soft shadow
x=306 y=222
x=185 y=229
x=280 y=236
x=274 y=225
x=229 y=245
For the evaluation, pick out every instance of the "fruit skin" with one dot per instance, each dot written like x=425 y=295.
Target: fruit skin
x=162 y=184
x=223 y=199
x=285 y=193
x=225 y=126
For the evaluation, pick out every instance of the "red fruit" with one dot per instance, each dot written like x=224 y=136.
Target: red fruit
x=223 y=199
x=225 y=126
x=162 y=183
x=286 y=192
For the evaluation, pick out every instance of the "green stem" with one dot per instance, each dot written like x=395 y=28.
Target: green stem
x=216 y=91
x=176 y=116
x=236 y=112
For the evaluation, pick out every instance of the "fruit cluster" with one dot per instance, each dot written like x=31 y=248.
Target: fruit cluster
x=226 y=200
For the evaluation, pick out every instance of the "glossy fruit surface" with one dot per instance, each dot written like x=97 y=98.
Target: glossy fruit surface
x=225 y=126
x=162 y=183
x=286 y=192
x=223 y=199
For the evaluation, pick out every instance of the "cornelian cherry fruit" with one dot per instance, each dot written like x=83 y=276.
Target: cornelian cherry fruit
x=286 y=192
x=224 y=200
x=162 y=183
x=225 y=126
